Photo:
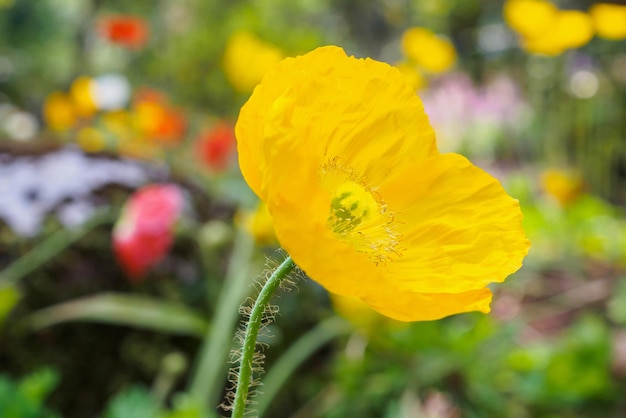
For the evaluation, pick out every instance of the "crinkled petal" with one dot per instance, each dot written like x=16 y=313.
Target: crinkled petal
x=461 y=231
x=413 y=306
x=357 y=110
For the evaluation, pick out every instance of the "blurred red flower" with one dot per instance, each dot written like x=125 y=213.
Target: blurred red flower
x=143 y=234
x=125 y=30
x=215 y=146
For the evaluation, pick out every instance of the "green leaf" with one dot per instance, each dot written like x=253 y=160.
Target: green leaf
x=616 y=308
x=25 y=398
x=37 y=386
x=186 y=406
x=9 y=296
x=136 y=402
x=122 y=309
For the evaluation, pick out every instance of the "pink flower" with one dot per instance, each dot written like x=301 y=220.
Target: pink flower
x=143 y=234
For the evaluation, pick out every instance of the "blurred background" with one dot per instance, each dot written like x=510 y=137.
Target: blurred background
x=128 y=238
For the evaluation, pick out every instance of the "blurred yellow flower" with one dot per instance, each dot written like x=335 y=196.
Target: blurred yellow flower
x=90 y=139
x=246 y=59
x=529 y=18
x=564 y=186
x=431 y=52
x=342 y=152
x=361 y=315
x=82 y=96
x=147 y=116
x=118 y=123
x=259 y=224
x=609 y=20
x=135 y=147
x=412 y=74
x=570 y=29
x=58 y=111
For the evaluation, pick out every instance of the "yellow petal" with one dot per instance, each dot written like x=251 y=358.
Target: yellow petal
x=412 y=306
x=609 y=20
x=530 y=18
x=429 y=51
x=91 y=139
x=258 y=223
x=247 y=59
x=82 y=96
x=58 y=111
x=460 y=230
x=564 y=186
x=332 y=106
x=570 y=29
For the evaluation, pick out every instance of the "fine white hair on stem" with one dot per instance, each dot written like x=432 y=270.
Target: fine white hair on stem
x=269 y=316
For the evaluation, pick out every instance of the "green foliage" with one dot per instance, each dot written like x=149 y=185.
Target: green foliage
x=138 y=402
x=9 y=296
x=138 y=311
x=133 y=402
x=25 y=398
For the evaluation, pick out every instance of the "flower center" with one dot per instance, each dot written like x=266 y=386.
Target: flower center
x=358 y=215
x=351 y=206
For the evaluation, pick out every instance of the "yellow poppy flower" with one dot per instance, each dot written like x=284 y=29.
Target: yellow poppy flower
x=609 y=20
x=342 y=152
x=429 y=51
x=529 y=18
x=90 y=139
x=119 y=123
x=58 y=111
x=247 y=59
x=82 y=96
x=259 y=224
x=562 y=185
x=570 y=29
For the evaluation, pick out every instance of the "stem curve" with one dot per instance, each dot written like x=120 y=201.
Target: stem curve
x=252 y=331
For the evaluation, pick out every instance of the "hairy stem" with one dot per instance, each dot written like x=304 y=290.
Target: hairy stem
x=252 y=331
x=206 y=384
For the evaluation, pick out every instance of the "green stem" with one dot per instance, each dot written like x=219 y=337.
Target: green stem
x=252 y=331
x=302 y=349
x=212 y=361
x=50 y=247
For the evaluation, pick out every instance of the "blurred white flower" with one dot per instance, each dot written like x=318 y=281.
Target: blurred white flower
x=64 y=180
x=20 y=125
x=110 y=91
x=584 y=84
